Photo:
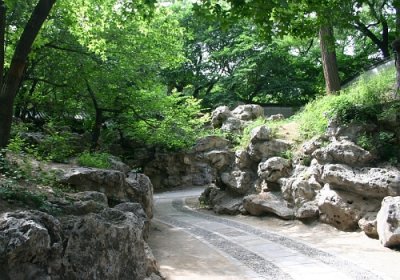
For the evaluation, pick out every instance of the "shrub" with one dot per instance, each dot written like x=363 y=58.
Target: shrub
x=97 y=160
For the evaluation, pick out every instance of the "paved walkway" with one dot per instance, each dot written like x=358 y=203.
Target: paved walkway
x=199 y=245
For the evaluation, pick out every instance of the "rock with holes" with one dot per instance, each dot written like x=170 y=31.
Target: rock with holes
x=220 y=115
x=243 y=161
x=232 y=125
x=367 y=182
x=210 y=143
x=307 y=211
x=219 y=159
x=237 y=181
x=345 y=152
x=368 y=225
x=84 y=203
x=221 y=202
x=343 y=210
x=388 y=222
x=267 y=202
x=248 y=112
x=272 y=169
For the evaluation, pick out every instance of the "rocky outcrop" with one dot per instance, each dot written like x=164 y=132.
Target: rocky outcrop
x=116 y=185
x=221 y=202
x=248 y=112
x=220 y=115
x=268 y=202
x=388 y=222
x=237 y=181
x=272 y=169
x=367 y=182
x=105 y=244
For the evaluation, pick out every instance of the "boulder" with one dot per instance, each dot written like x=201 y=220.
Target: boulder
x=343 y=210
x=220 y=115
x=368 y=225
x=139 y=189
x=272 y=169
x=345 y=152
x=267 y=202
x=85 y=203
x=388 y=222
x=221 y=202
x=248 y=112
x=242 y=160
x=210 y=143
x=367 y=182
x=264 y=150
x=109 y=182
x=276 y=117
x=260 y=134
x=232 y=125
x=350 y=131
x=237 y=181
x=31 y=246
x=307 y=211
x=117 y=164
x=315 y=143
x=219 y=159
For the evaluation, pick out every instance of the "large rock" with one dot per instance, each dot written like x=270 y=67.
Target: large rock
x=368 y=225
x=267 y=202
x=345 y=152
x=221 y=202
x=260 y=134
x=242 y=160
x=237 y=181
x=350 y=131
x=84 y=203
x=220 y=115
x=367 y=182
x=139 y=189
x=264 y=150
x=104 y=245
x=388 y=222
x=219 y=159
x=109 y=182
x=248 y=112
x=210 y=143
x=232 y=125
x=343 y=210
x=273 y=169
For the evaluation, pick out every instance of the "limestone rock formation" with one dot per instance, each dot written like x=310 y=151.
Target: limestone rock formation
x=343 y=210
x=260 y=134
x=139 y=189
x=345 y=152
x=108 y=244
x=237 y=181
x=221 y=202
x=267 y=202
x=220 y=115
x=248 y=112
x=388 y=222
x=368 y=225
x=272 y=169
x=263 y=150
x=232 y=125
x=367 y=182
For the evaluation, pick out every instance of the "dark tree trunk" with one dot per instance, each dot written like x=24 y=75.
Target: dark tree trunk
x=396 y=5
x=329 y=63
x=2 y=39
x=13 y=79
x=396 y=49
x=98 y=122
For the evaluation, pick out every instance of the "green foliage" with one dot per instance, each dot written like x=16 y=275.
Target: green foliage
x=357 y=103
x=98 y=160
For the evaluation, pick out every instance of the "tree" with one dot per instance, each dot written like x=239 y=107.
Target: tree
x=12 y=78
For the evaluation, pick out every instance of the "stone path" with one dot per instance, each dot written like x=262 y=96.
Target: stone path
x=245 y=251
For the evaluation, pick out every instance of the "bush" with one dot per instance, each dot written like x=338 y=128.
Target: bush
x=97 y=160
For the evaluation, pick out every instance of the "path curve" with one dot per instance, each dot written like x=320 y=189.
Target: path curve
x=251 y=252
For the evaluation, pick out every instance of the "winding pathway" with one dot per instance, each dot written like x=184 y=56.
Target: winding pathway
x=251 y=252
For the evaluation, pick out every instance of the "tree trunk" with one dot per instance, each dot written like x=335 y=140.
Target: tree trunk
x=396 y=5
x=396 y=49
x=329 y=63
x=2 y=39
x=13 y=79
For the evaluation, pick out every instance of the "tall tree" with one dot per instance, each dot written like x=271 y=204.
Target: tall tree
x=13 y=77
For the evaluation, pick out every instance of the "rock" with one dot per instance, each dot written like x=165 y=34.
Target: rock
x=273 y=169
x=345 y=152
x=109 y=182
x=30 y=246
x=349 y=131
x=277 y=117
x=248 y=112
x=315 y=143
x=232 y=125
x=260 y=134
x=368 y=225
x=239 y=182
x=264 y=150
x=343 y=210
x=367 y=182
x=220 y=115
x=267 y=202
x=107 y=245
x=221 y=202
x=140 y=189
x=210 y=143
x=219 y=159
x=307 y=211
x=388 y=222
x=117 y=164
x=86 y=202
x=242 y=160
